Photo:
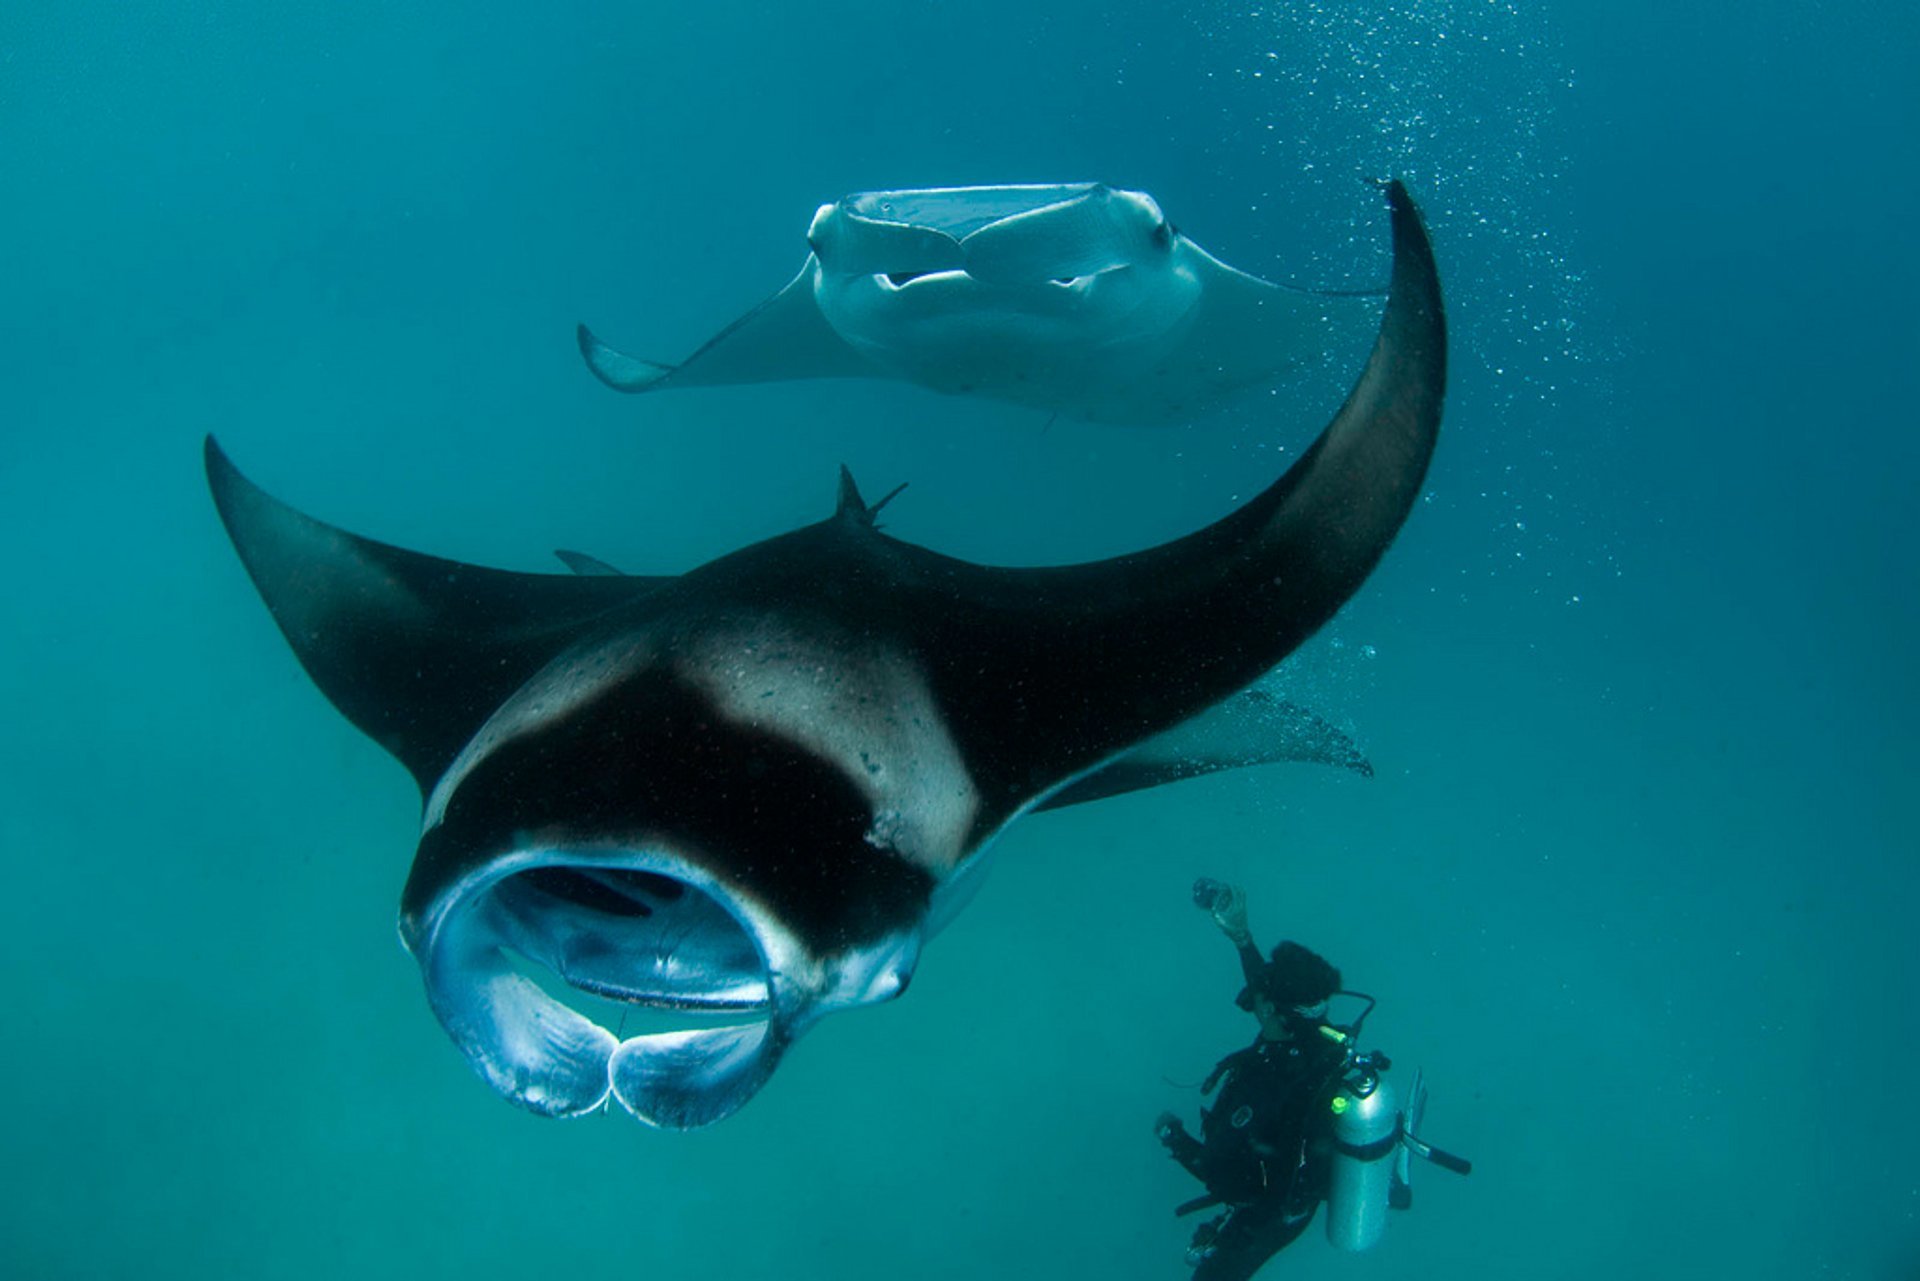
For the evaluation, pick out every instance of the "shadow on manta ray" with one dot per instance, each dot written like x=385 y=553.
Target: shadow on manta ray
x=757 y=788
x=1075 y=299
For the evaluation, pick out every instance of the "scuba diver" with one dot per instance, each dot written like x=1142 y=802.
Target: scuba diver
x=1302 y=1116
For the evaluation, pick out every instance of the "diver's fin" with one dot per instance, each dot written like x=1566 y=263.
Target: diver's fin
x=415 y=650
x=1253 y=727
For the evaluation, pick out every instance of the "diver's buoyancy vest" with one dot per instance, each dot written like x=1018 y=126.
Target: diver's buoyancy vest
x=1258 y=1133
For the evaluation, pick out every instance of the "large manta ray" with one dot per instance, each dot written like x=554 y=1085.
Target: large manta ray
x=754 y=790
x=1076 y=299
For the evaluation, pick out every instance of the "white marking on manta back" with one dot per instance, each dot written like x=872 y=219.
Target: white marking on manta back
x=862 y=707
x=569 y=682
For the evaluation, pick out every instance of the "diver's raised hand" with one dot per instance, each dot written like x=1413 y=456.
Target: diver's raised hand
x=1230 y=914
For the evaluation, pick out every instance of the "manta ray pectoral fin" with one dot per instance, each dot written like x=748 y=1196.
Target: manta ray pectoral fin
x=684 y=1080
x=783 y=338
x=1253 y=727
x=415 y=650
x=1246 y=331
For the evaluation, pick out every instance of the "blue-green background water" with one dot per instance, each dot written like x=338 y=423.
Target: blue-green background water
x=1636 y=879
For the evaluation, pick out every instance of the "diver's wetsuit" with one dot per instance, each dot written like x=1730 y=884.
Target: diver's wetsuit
x=1261 y=1152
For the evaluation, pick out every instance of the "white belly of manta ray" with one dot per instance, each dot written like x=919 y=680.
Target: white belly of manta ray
x=1051 y=344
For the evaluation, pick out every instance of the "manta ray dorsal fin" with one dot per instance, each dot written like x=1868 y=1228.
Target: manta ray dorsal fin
x=1254 y=727
x=849 y=504
x=783 y=338
x=415 y=650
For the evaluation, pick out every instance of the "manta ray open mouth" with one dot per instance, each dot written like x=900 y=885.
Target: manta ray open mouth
x=630 y=935
x=632 y=928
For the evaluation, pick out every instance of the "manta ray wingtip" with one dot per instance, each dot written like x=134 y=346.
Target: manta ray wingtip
x=615 y=368
x=1399 y=200
x=212 y=454
x=228 y=485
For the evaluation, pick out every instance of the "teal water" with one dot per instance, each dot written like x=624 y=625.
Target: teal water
x=1635 y=881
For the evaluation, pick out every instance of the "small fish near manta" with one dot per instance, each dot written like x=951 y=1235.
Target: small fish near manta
x=1075 y=299
x=757 y=788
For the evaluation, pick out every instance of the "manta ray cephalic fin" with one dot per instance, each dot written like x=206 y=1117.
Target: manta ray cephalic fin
x=687 y=1079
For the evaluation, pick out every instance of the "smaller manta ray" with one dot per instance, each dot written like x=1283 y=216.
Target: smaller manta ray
x=1075 y=299
x=754 y=790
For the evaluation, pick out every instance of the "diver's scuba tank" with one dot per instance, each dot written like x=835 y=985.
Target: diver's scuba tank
x=1373 y=1140
x=1366 y=1137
